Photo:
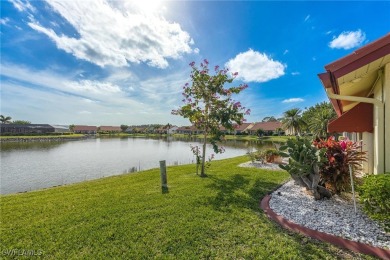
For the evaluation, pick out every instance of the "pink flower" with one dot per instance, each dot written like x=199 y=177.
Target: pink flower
x=216 y=68
x=343 y=145
x=192 y=64
x=235 y=73
x=237 y=105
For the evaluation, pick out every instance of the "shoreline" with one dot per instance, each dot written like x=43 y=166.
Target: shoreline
x=23 y=139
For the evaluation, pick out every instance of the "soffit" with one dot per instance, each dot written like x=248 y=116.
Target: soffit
x=360 y=81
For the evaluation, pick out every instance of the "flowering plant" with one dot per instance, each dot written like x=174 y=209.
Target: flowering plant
x=340 y=154
x=209 y=105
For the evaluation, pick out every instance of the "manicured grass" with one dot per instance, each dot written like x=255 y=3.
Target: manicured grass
x=276 y=138
x=128 y=217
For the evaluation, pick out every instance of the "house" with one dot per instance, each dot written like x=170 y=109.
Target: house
x=172 y=130
x=61 y=128
x=26 y=128
x=85 y=129
x=358 y=86
x=110 y=129
x=268 y=127
x=188 y=130
x=243 y=128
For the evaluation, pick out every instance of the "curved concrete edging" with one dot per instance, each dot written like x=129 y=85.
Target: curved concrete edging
x=335 y=240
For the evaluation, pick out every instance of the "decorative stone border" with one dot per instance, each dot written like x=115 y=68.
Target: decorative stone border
x=335 y=240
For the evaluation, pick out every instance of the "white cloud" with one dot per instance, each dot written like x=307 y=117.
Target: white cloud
x=295 y=73
x=253 y=66
x=4 y=21
x=22 y=6
x=85 y=112
x=307 y=17
x=293 y=100
x=68 y=96
x=348 y=40
x=116 y=33
x=285 y=52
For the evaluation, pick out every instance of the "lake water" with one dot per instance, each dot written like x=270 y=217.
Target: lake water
x=37 y=165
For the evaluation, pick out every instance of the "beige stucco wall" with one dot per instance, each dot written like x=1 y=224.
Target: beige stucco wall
x=379 y=123
x=368 y=146
x=386 y=99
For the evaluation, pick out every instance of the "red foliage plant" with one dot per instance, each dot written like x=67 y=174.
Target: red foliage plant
x=340 y=154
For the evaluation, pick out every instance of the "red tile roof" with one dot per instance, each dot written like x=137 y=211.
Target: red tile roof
x=84 y=128
x=243 y=126
x=110 y=128
x=266 y=126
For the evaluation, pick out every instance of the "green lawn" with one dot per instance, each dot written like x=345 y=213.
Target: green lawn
x=128 y=217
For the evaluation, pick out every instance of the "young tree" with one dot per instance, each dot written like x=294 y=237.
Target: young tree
x=208 y=105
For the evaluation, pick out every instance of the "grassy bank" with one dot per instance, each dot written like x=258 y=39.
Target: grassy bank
x=127 y=217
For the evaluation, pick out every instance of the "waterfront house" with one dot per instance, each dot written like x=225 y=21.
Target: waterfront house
x=32 y=129
x=243 y=128
x=268 y=127
x=173 y=130
x=358 y=86
x=188 y=130
x=85 y=129
x=109 y=129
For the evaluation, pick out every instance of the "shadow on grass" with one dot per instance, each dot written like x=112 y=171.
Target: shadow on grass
x=238 y=191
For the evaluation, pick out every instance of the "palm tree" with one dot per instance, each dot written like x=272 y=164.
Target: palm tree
x=292 y=120
x=5 y=119
x=318 y=123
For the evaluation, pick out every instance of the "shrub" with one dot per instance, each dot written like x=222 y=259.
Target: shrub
x=303 y=165
x=375 y=197
x=340 y=154
x=271 y=154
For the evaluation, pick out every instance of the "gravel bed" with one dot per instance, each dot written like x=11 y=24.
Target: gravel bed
x=266 y=166
x=335 y=216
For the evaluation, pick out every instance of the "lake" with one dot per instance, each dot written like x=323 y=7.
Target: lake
x=36 y=165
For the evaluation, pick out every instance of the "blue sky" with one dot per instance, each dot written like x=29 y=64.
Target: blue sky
x=107 y=62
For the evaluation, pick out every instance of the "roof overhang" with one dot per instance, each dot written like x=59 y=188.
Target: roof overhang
x=358 y=119
x=356 y=74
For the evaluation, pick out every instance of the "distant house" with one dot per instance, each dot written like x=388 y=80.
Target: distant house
x=85 y=129
x=188 y=130
x=110 y=129
x=32 y=128
x=173 y=130
x=243 y=128
x=268 y=127
x=61 y=128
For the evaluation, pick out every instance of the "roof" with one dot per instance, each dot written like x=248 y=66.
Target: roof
x=84 y=128
x=110 y=128
x=356 y=73
x=243 y=126
x=26 y=126
x=359 y=119
x=267 y=126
